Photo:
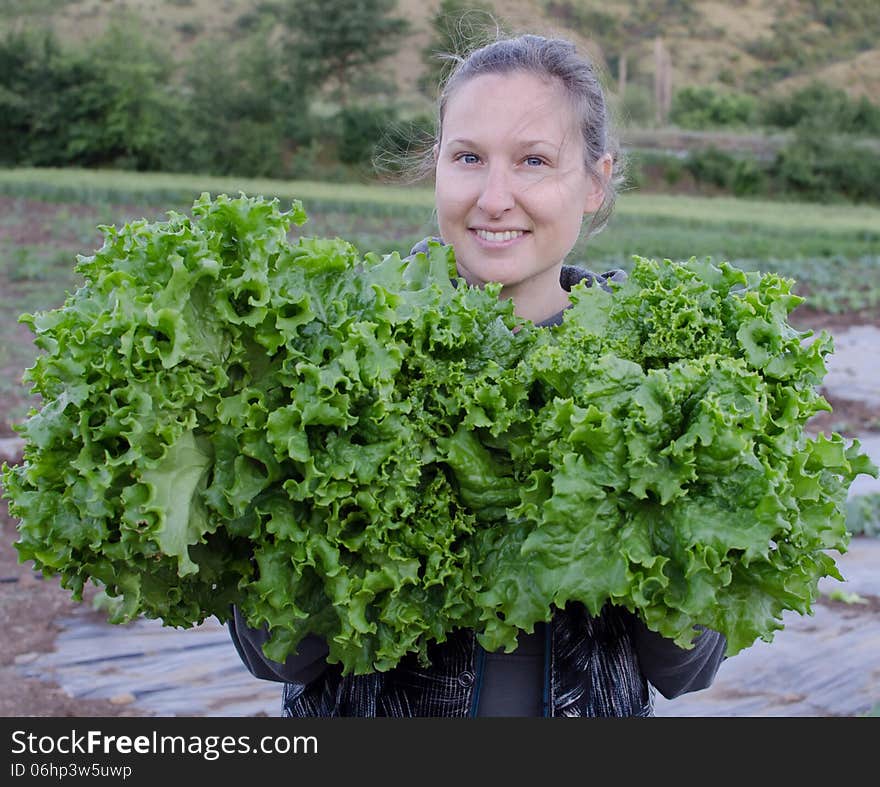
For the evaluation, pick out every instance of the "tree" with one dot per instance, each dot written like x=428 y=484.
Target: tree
x=237 y=109
x=105 y=104
x=457 y=27
x=30 y=64
x=334 y=39
x=623 y=36
x=124 y=114
x=662 y=81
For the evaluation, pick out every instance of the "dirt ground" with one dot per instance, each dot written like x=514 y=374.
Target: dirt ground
x=29 y=607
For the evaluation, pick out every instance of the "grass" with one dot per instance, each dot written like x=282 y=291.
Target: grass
x=756 y=213
x=833 y=251
x=672 y=226
x=162 y=189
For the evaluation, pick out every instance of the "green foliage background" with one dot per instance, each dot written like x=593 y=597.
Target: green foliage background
x=302 y=89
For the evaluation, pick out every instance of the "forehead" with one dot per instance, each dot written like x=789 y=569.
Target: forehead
x=512 y=105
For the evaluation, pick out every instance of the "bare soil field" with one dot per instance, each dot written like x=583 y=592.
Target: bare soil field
x=29 y=609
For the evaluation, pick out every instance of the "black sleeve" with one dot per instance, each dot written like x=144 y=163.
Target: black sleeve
x=301 y=667
x=672 y=670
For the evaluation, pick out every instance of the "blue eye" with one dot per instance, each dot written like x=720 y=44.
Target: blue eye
x=469 y=158
x=534 y=161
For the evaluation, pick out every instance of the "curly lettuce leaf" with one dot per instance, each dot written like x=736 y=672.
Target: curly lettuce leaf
x=365 y=448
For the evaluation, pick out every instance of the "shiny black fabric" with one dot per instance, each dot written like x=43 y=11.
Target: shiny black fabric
x=593 y=670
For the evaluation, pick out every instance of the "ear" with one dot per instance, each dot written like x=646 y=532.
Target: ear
x=596 y=194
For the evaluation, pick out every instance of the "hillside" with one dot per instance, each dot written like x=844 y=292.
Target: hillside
x=751 y=46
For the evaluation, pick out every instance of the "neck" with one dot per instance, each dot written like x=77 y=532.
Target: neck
x=537 y=303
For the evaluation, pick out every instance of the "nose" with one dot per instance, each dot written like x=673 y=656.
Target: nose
x=496 y=195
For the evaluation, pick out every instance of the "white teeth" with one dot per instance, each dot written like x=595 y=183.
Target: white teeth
x=499 y=237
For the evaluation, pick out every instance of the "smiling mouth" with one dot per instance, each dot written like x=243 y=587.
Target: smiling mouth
x=499 y=237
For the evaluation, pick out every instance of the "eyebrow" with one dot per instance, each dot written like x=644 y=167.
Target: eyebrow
x=526 y=143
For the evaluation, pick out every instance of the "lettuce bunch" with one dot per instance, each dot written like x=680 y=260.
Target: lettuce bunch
x=366 y=448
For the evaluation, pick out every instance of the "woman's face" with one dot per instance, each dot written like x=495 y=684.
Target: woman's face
x=512 y=187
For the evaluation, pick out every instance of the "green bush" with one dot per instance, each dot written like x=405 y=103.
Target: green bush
x=25 y=68
x=704 y=107
x=822 y=106
x=119 y=101
x=711 y=167
x=637 y=105
x=863 y=514
x=865 y=117
x=748 y=179
x=126 y=113
x=361 y=128
x=819 y=167
x=107 y=104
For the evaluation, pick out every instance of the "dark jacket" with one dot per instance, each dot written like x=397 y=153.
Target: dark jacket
x=607 y=665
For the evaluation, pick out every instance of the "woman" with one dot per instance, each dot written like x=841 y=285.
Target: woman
x=523 y=155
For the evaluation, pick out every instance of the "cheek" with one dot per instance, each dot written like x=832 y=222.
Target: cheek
x=451 y=198
x=574 y=224
x=564 y=219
